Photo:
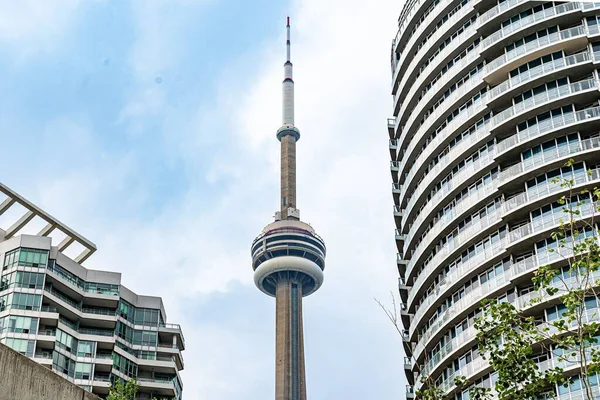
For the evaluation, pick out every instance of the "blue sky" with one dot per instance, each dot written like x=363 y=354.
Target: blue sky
x=149 y=127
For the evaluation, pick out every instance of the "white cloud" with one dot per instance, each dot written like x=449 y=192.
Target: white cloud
x=36 y=25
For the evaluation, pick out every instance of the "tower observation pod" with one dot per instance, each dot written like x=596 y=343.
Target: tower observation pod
x=288 y=257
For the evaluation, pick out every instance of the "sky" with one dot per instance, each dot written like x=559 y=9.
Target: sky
x=149 y=127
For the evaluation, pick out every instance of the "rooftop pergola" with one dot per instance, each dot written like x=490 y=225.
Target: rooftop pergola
x=52 y=224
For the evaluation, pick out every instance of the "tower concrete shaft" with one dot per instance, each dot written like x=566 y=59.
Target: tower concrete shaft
x=290 y=382
x=288 y=175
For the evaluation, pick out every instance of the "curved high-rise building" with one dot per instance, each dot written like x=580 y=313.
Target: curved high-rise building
x=491 y=99
x=288 y=258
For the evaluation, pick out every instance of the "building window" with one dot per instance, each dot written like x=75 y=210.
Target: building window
x=18 y=324
x=124 y=365
x=20 y=301
x=19 y=279
x=83 y=370
x=26 y=258
x=23 y=346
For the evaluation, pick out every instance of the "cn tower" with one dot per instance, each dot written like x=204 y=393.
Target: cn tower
x=288 y=258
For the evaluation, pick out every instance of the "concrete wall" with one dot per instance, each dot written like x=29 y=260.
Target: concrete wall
x=23 y=379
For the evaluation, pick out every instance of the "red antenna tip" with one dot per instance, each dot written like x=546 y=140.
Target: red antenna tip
x=288 y=21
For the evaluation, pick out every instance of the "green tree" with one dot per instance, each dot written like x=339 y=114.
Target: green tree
x=120 y=391
x=127 y=391
x=509 y=335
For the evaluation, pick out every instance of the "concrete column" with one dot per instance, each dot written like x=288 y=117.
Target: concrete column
x=288 y=174
x=286 y=370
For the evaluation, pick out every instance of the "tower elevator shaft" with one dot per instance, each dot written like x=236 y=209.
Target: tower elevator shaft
x=290 y=382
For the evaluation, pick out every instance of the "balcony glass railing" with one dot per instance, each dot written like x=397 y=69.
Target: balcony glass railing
x=500 y=8
x=98 y=332
x=477 y=108
x=474 y=81
x=78 y=306
x=531 y=102
x=88 y=287
x=461 y=207
x=540 y=70
x=433 y=39
x=548 y=125
x=476 y=136
x=479 y=364
x=521 y=167
x=548 y=156
x=541 y=190
x=63 y=297
x=476 y=295
x=529 y=20
x=552 y=38
x=523 y=302
x=544 y=97
x=465 y=235
x=424 y=76
x=507 y=206
x=450 y=185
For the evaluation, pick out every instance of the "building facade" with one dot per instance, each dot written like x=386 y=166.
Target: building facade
x=491 y=99
x=83 y=324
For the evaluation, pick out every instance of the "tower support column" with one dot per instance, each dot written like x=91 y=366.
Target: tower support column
x=290 y=381
x=288 y=174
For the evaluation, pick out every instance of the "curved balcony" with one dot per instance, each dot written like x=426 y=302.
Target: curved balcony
x=408 y=80
x=449 y=186
x=479 y=365
x=533 y=74
x=578 y=59
x=460 y=210
x=498 y=10
x=406 y=20
x=539 y=225
x=482 y=20
x=433 y=39
x=548 y=157
x=561 y=122
x=536 y=101
x=580 y=180
x=540 y=99
x=494 y=286
x=587 y=86
x=577 y=88
x=466 y=146
x=471 y=232
x=513 y=237
x=543 y=190
x=528 y=21
x=460 y=95
x=432 y=43
x=568 y=40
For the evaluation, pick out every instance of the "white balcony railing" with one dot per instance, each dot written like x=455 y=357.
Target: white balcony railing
x=544 y=97
x=552 y=38
x=542 y=69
